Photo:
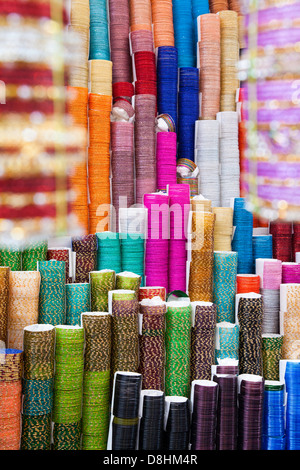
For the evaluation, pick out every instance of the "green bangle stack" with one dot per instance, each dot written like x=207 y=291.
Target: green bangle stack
x=68 y=381
x=67 y=436
x=11 y=257
x=101 y=283
x=272 y=354
x=178 y=348
x=129 y=280
x=32 y=253
x=96 y=382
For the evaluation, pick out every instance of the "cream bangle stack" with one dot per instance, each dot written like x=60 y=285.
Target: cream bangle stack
x=100 y=77
x=80 y=25
x=23 y=305
x=290 y=320
x=223 y=228
x=199 y=203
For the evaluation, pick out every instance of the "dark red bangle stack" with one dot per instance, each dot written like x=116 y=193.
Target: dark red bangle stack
x=295 y=241
x=143 y=87
x=86 y=256
x=282 y=240
x=28 y=212
x=33 y=9
x=145 y=71
x=123 y=91
x=20 y=106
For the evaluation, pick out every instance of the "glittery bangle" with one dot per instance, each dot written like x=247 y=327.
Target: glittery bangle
x=101 y=283
x=271 y=353
x=4 y=292
x=178 y=347
x=68 y=374
x=39 y=343
x=77 y=301
x=36 y=432
x=152 y=344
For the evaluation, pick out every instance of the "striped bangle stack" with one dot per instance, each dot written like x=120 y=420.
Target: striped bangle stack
x=11 y=371
x=68 y=381
x=38 y=380
x=96 y=380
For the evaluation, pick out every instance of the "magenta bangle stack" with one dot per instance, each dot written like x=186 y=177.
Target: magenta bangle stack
x=179 y=195
x=166 y=148
x=157 y=242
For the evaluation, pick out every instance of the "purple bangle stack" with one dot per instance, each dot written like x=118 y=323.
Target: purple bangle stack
x=204 y=417
x=227 y=413
x=250 y=398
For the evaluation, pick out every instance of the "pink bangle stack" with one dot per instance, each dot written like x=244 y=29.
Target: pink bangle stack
x=157 y=242
x=122 y=167
x=290 y=273
x=144 y=132
x=179 y=195
x=119 y=18
x=166 y=143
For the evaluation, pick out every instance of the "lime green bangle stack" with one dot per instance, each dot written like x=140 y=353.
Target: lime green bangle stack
x=101 y=283
x=39 y=344
x=68 y=382
x=32 y=253
x=129 y=280
x=96 y=382
x=178 y=348
x=272 y=354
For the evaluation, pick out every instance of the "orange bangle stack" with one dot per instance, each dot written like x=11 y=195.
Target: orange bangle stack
x=77 y=107
x=99 y=162
x=235 y=6
x=140 y=15
x=218 y=5
x=246 y=283
x=202 y=256
x=229 y=59
x=209 y=52
x=162 y=19
x=11 y=361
